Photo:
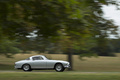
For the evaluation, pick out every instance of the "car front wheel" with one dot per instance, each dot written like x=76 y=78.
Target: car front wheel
x=59 y=68
x=26 y=67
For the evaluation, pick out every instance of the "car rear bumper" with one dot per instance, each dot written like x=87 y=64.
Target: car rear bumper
x=17 y=66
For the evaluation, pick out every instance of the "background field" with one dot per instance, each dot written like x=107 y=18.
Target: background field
x=94 y=64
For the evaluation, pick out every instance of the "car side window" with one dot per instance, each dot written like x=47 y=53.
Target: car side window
x=37 y=58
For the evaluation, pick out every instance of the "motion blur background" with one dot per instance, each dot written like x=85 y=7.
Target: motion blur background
x=72 y=30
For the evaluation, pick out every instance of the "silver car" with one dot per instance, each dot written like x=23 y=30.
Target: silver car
x=41 y=62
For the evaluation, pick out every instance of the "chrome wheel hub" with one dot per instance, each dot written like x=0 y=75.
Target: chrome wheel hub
x=26 y=67
x=59 y=67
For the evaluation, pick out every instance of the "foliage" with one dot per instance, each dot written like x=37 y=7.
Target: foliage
x=65 y=25
x=8 y=47
x=115 y=45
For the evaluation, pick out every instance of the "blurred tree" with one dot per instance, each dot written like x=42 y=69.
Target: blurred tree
x=116 y=45
x=8 y=47
x=81 y=21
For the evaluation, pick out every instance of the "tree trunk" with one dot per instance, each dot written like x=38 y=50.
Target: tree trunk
x=70 y=60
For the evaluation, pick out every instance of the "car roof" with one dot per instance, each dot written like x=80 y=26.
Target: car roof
x=37 y=55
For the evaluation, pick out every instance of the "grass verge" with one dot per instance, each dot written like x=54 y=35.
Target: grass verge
x=58 y=76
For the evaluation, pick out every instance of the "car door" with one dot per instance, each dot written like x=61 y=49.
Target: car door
x=50 y=63
x=38 y=62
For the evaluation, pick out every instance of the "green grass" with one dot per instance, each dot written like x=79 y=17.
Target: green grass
x=99 y=64
x=58 y=76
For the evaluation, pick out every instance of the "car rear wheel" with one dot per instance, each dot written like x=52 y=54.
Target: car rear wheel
x=26 y=67
x=59 y=68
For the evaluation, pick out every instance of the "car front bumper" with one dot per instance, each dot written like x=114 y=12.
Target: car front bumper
x=67 y=66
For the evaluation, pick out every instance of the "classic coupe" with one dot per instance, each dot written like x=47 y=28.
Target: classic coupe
x=41 y=62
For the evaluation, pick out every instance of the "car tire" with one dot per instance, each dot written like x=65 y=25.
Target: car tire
x=26 y=67
x=59 y=67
